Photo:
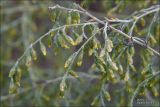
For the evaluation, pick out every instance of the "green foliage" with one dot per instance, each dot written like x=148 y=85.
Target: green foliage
x=122 y=53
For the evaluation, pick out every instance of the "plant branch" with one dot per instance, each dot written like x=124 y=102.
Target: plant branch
x=141 y=85
x=135 y=40
x=77 y=52
x=46 y=34
x=47 y=82
x=12 y=24
x=119 y=31
x=83 y=11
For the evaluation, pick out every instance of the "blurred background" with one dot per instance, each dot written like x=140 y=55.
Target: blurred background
x=24 y=21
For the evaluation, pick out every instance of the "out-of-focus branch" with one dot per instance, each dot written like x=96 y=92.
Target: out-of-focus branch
x=141 y=85
x=21 y=8
x=47 y=82
x=12 y=24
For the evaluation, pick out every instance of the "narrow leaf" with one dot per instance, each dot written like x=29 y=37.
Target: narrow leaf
x=80 y=58
x=95 y=101
x=43 y=48
x=69 y=61
x=12 y=87
x=18 y=76
x=34 y=54
x=107 y=96
x=28 y=60
x=72 y=73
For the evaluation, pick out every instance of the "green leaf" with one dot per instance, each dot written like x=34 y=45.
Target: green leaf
x=155 y=91
x=33 y=53
x=63 y=86
x=49 y=41
x=132 y=68
x=62 y=42
x=113 y=65
x=90 y=51
x=63 y=38
x=102 y=52
x=109 y=45
x=100 y=63
x=28 y=59
x=54 y=15
x=68 y=18
x=80 y=58
x=13 y=70
x=126 y=78
x=131 y=50
x=143 y=22
x=145 y=70
x=75 y=17
x=69 y=61
x=62 y=94
x=52 y=34
x=79 y=38
x=152 y=40
x=129 y=58
x=67 y=38
x=96 y=43
x=72 y=73
x=18 y=76
x=120 y=67
x=12 y=87
x=107 y=96
x=43 y=48
x=95 y=101
x=111 y=73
